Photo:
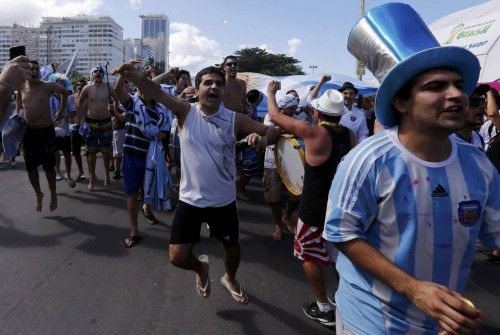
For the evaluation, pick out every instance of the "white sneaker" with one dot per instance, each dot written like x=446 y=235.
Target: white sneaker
x=59 y=177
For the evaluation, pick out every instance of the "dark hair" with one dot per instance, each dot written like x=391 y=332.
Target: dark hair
x=253 y=96
x=179 y=74
x=209 y=70
x=330 y=118
x=290 y=91
x=34 y=62
x=496 y=96
x=229 y=57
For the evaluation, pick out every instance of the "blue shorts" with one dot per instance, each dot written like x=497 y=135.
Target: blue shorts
x=99 y=141
x=133 y=169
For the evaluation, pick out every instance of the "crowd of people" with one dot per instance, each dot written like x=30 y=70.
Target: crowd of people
x=395 y=195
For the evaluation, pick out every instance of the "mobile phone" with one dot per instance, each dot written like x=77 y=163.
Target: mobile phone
x=279 y=85
x=19 y=50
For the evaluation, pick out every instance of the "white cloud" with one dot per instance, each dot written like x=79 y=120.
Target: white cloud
x=294 y=45
x=190 y=50
x=30 y=12
x=135 y=4
x=225 y=21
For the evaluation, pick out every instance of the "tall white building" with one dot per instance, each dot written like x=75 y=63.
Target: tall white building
x=18 y=35
x=155 y=39
x=131 y=48
x=98 y=39
x=5 y=44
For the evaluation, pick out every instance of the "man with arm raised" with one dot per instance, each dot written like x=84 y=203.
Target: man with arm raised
x=39 y=139
x=208 y=172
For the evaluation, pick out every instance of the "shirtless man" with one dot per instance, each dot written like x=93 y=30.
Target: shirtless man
x=94 y=101
x=235 y=99
x=235 y=92
x=39 y=140
x=74 y=126
x=12 y=77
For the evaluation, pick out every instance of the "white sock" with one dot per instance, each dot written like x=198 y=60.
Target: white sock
x=323 y=307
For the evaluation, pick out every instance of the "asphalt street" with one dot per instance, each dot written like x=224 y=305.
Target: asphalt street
x=66 y=272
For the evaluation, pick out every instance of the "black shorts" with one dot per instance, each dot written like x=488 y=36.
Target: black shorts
x=40 y=148
x=63 y=144
x=76 y=142
x=223 y=222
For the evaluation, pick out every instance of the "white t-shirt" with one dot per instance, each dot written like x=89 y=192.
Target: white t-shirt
x=355 y=120
x=487 y=135
x=208 y=162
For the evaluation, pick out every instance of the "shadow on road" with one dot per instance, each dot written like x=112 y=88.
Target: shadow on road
x=96 y=198
x=14 y=238
x=105 y=240
x=248 y=325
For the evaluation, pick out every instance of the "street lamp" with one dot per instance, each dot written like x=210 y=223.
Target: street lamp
x=360 y=66
x=48 y=32
x=313 y=67
x=142 y=34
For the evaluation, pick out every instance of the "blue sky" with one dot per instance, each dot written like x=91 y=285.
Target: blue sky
x=313 y=31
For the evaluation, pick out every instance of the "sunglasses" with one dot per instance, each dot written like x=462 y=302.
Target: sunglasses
x=231 y=64
x=476 y=102
x=97 y=71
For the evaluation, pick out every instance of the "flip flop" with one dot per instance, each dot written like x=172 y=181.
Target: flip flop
x=240 y=297
x=131 y=241
x=150 y=218
x=203 y=291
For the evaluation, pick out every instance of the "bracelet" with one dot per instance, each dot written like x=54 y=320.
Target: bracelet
x=267 y=140
x=8 y=86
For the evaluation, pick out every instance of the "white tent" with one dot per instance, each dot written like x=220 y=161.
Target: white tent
x=301 y=84
x=476 y=29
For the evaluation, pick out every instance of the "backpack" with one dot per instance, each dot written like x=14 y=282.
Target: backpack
x=493 y=151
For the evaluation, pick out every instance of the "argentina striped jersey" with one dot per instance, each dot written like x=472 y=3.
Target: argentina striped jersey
x=425 y=217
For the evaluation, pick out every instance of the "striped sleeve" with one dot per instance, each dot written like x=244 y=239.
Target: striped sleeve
x=352 y=201
x=490 y=230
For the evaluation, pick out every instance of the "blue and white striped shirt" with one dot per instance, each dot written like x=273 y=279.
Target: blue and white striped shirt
x=425 y=217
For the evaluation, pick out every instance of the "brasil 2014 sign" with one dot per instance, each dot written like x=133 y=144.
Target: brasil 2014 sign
x=461 y=31
x=477 y=35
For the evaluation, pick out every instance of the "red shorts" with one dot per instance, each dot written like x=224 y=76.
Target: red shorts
x=310 y=246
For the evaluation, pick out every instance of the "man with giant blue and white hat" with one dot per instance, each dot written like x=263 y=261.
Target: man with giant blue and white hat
x=407 y=205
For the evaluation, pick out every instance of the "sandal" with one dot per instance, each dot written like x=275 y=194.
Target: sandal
x=203 y=291
x=240 y=297
x=150 y=218
x=493 y=260
x=71 y=182
x=131 y=241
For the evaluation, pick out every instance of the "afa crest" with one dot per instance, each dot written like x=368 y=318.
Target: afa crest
x=469 y=212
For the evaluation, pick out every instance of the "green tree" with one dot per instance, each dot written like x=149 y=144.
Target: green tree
x=75 y=77
x=260 y=61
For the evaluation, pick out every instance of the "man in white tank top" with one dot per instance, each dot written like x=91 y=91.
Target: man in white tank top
x=207 y=192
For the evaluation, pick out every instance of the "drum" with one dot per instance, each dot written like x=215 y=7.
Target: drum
x=174 y=147
x=290 y=160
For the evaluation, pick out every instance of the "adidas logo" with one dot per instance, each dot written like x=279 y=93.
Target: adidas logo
x=439 y=191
